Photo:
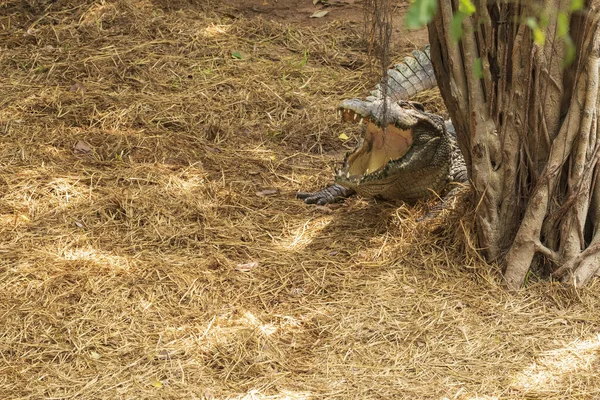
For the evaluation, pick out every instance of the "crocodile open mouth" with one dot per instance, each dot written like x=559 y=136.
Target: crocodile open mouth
x=378 y=147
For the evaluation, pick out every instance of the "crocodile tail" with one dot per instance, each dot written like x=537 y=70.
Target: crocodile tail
x=410 y=77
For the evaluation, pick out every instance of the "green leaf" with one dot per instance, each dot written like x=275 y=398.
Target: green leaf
x=420 y=13
x=544 y=20
x=531 y=23
x=236 y=54
x=304 y=58
x=466 y=7
x=477 y=68
x=456 y=29
x=563 y=24
x=343 y=136
x=539 y=37
x=577 y=5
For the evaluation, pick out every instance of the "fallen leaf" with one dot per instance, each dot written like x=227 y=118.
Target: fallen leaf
x=157 y=384
x=238 y=55
x=94 y=355
x=315 y=2
x=79 y=224
x=267 y=192
x=82 y=147
x=320 y=14
x=246 y=267
x=343 y=136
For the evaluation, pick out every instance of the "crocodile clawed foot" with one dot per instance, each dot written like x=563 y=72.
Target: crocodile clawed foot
x=331 y=194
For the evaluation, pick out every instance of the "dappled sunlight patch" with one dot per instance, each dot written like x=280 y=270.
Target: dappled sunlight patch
x=66 y=190
x=214 y=30
x=14 y=220
x=98 y=257
x=184 y=185
x=554 y=369
x=256 y=394
x=302 y=236
x=249 y=319
x=98 y=13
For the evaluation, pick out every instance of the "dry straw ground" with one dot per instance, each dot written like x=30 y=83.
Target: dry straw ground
x=138 y=262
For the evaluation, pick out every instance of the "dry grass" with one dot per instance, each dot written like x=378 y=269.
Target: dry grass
x=138 y=262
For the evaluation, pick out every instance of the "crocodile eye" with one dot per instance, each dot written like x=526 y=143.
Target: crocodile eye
x=417 y=105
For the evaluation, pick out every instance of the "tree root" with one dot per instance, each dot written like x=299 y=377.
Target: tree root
x=534 y=171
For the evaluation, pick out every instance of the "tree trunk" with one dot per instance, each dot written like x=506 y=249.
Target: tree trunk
x=529 y=131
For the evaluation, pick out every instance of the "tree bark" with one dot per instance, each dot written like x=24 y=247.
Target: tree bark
x=529 y=131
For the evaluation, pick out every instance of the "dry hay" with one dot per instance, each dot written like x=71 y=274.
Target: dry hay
x=138 y=261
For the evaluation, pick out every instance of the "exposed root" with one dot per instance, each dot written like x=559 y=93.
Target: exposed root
x=535 y=177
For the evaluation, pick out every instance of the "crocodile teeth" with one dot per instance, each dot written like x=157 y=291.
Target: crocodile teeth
x=347 y=175
x=355 y=116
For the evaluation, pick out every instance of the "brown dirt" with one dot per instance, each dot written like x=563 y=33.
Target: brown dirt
x=298 y=12
x=151 y=246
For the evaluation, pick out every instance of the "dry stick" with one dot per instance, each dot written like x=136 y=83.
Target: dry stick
x=521 y=253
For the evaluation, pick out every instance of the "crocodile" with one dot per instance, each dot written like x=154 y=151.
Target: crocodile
x=405 y=153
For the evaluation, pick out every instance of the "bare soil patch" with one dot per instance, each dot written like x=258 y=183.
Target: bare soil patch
x=151 y=245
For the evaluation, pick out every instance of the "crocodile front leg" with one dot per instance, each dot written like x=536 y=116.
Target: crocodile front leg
x=331 y=194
